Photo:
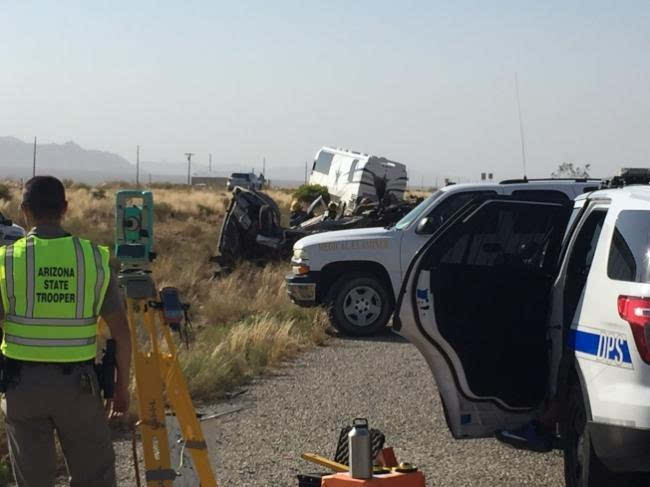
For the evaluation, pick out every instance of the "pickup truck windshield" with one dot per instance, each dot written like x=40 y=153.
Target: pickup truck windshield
x=239 y=175
x=415 y=213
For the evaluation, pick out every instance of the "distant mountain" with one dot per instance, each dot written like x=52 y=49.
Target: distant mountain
x=67 y=160
x=71 y=161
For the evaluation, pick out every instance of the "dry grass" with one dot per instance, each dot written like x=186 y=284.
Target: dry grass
x=413 y=194
x=244 y=322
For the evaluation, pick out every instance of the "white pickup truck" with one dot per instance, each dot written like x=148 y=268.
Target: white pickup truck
x=357 y=274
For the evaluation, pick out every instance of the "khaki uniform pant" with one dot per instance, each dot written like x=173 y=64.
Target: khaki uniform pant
x=46 y=399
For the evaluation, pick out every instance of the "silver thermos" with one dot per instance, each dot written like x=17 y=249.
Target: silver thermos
x=360 y=450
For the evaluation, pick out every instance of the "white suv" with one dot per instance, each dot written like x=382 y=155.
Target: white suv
x=358 y=273
x=502 y=281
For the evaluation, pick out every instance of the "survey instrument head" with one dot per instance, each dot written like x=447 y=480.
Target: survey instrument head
x=134 y=228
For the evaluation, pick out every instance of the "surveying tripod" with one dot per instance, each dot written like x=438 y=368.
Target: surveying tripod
x=158 y=375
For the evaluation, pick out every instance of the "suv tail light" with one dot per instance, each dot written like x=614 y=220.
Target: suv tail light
x=636 y=311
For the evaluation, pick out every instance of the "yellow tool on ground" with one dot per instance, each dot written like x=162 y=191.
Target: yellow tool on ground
x=325 y=462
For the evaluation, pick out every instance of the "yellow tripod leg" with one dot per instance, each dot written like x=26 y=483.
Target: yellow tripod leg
x=151 y=404
x=179 y=398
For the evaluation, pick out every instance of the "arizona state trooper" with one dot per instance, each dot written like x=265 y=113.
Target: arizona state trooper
x=54 y=287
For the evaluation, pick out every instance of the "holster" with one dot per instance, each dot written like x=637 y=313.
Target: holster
x=3 y=373
x=9 y=373
x=106 y=370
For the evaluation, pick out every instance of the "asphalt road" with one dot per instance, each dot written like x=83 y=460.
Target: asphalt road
x=301 y=408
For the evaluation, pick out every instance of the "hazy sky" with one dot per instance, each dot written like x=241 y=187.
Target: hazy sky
x=427 y=83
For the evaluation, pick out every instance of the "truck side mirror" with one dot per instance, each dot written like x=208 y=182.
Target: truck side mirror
x=424 y=226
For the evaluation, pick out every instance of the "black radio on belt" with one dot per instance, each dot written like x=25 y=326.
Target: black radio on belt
x=9 y=372
x=4 y=374
x=106 y=370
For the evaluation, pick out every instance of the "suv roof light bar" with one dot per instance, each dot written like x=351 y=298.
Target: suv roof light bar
x=526 y=180
x=627 y=176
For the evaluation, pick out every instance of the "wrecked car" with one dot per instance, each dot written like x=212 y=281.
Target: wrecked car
x=252 y=228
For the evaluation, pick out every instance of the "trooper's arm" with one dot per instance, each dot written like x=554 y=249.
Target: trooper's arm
x=114 y=314
x=119 y=326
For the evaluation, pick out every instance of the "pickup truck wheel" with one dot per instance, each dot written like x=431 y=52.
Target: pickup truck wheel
x=359 y=305
x=582 y=468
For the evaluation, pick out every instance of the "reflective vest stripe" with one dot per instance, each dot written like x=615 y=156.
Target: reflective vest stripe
x=31 y=276
x=9 y=279
x=21 y=320
x=81 y=277
x=50 y=342
x=99 y=283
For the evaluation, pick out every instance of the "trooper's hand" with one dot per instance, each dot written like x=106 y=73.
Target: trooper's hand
x=119 y=404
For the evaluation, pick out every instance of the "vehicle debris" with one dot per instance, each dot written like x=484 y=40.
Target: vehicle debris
x=252 y=229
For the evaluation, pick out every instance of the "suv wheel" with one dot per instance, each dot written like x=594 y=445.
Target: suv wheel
x=582 y=468
x=359 y=305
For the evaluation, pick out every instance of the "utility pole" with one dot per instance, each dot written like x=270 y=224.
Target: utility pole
x=306 y=164
x=149 y=179
x=189 y=166
x=521 y=126
x=34 y=162
x=264 y=166
x=210 y=163
x=137 y=167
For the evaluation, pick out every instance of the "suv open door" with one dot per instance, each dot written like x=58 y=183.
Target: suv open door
x=475 y=300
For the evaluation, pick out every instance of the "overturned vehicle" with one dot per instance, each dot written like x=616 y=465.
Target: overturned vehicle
x=252 y=229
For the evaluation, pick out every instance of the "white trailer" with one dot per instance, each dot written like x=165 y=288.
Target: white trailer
x=351 y=176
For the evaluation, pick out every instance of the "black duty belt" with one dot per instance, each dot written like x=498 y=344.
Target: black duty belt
x=66 y=367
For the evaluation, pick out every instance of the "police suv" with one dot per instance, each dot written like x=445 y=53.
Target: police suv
x=514 y=301
x=357 y=273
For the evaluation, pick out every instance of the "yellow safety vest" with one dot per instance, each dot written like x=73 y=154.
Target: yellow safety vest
x=52 y=291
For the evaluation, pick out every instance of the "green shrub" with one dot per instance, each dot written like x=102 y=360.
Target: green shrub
x=162 y=211
x=98 y=193
x=5 y=472
x=309 y=192
x=5 y=192
x=205 y=210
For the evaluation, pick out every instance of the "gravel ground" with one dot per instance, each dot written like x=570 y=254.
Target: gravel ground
x=302 y=406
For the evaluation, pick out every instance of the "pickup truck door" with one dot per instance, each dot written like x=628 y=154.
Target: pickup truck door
x=475 y=302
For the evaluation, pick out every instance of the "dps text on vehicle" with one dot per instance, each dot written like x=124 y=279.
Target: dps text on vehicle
x=512 y=302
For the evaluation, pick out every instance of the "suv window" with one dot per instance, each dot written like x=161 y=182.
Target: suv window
x=414 y=214
x=447 y=207
x=323 y=163
x=630 y=247
x=240 y=175
x=582 y=255
x=516 y=236
x=549 y=195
